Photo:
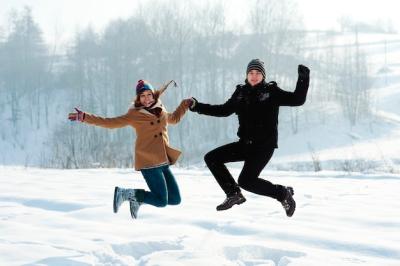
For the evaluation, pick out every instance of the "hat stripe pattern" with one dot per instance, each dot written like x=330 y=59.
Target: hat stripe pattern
x=256 y=64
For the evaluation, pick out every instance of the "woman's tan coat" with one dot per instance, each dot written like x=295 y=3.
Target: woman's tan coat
x=152 y=144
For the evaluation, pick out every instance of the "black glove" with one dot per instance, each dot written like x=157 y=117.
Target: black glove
x=304 y=72
x=194 y=102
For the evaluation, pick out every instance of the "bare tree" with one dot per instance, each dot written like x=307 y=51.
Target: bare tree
x=25 y=58
x=354 y=84
x=170 y=26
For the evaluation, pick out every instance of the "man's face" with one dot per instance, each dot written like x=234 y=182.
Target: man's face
x=254 y=77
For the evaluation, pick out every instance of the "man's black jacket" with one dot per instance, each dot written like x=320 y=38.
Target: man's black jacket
x=257 y=109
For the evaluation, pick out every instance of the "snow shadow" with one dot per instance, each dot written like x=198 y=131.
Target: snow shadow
x=59 y=261
x=255 y=255
x=346 y=246
x=226 y=228
x=46 y=204
x=140 y=249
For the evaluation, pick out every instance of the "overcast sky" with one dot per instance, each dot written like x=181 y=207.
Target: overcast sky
x=65 y=17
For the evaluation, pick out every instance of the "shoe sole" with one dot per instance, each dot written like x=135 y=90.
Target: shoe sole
x=237 y=203
x=115 y=200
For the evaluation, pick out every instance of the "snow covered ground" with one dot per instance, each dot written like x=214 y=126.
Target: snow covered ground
x=64 y=217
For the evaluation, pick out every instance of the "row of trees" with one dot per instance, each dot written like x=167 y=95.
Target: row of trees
x=161 y=41
x=24 y=71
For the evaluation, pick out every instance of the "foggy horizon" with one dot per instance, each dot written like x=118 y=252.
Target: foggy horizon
x=60 y=21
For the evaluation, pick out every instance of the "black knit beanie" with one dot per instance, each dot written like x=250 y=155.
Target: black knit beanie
x=256 y=64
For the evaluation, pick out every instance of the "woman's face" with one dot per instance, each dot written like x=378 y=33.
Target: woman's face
x=254 y=77
x=146 y=98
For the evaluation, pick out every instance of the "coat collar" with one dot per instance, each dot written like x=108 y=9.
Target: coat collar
x=259 y=86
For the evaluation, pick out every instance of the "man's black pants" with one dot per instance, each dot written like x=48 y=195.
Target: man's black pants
x=255 y=159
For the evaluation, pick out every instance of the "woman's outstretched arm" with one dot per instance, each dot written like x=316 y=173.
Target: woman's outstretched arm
x=91 y=119
x=175 y=117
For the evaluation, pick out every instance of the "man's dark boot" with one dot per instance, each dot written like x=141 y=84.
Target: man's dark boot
x=236 y=198
x=288 y=202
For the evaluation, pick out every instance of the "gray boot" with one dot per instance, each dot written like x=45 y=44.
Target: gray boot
x=121 y=195
x=134 y=206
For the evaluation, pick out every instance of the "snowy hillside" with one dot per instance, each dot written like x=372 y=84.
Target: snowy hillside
x=371 y=145
x=64 y=217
